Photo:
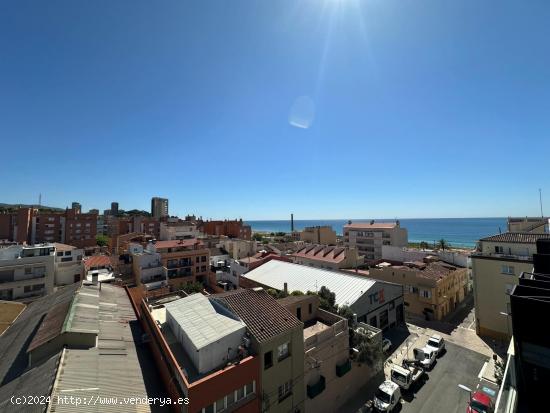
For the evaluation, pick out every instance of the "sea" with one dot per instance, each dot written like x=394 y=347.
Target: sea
x=458 y=232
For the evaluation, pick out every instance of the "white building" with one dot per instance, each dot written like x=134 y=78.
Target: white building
x=68 y=264
x=377 y=303
x=147 y=267
x=369 y=237
x=209 y=333
x=26 y=271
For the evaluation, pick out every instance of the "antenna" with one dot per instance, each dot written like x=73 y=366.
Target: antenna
x=540 y=200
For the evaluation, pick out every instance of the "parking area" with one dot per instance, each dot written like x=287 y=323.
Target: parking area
x=440 y=392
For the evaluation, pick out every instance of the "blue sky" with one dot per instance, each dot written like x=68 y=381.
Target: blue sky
x=255 y=109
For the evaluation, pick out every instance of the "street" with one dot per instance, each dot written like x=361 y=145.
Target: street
x=440 y=392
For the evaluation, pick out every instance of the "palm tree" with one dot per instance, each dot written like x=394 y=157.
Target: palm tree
x=424 y=245
x=442 y=244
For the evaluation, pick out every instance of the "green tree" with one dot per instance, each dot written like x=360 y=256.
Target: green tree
x=192 y=288
x=442 y=244
x=257 y=236
x=296 y=293
x=101 y=240
x=369 y=351
x=327 y=299
x=424 y=245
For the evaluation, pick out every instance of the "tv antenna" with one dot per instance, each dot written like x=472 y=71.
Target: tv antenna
x=540 y=201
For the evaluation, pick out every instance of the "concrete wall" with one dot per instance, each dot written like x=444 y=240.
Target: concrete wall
x=491 y=293
x=393 y=253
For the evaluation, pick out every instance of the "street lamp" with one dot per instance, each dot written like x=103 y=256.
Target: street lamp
x=466 y=388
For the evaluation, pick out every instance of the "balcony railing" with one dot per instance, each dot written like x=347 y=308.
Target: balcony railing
x=342 y=369
x=314 y=390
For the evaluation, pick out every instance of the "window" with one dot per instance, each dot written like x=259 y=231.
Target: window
x=203 y=258
x=282 y=351
x=220 y=405
x=499 y=249
x=66 y=259
x=415 y=290
x=392 y=305
x=208 y=409
x=240 y=393
x=28 y=270
x=230 y=399
x=38 y=287
x=59 y=253
x=27 y=289
x=268 y=359
x=310 y=308
x=284 y=390
x=507 y=269
x=426 y=293
x=249 y=388
x=197 y=260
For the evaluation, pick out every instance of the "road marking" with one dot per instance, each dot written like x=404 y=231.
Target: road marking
x=480 y=375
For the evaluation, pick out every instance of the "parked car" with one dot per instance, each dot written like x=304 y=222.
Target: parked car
x=407 y=376
x=437 y=343
x=425 y=356
x=386 y=345
x=480 y=403
x=387 y=397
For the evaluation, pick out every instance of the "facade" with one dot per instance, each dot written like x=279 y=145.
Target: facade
x=147 y=268
x=239 y=248
x=496 y=266
x=323 y=235
x=27 y=271
x=178 y=230
x=276 y=336
x=231 y=229
x=368 y=238
x=527 y=371
x=377 y=303
x=28 y=225
x=69 y=268
x=330 y=257
x=536 y=225
x=431 y=290
x=186 y=261
x=159 y=207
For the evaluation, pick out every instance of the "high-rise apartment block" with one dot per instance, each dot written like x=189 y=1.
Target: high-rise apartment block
x=159 y=207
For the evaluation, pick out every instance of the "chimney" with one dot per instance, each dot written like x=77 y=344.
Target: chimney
x=291 y=222
x=285 y=289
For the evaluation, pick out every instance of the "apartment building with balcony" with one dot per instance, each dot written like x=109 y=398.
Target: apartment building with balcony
x=369 y=237
x=330 y=257
x=323 y=235
x=148 y=268
x=239 y=248
x=186 y=261
x=496 y=266
x=26 y=272
x=431 y=289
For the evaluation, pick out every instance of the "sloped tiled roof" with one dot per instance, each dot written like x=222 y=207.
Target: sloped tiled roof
x=516 y=237
x=97 y=261
x=322 y=253
x=264 y=317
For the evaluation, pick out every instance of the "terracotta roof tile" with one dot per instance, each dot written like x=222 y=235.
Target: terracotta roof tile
x=264 y=317
x=516 y=237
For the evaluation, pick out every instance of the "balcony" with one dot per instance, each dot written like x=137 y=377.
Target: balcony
x=325 y=327
x=342 y=369
x=494 y=255
x=314 y=390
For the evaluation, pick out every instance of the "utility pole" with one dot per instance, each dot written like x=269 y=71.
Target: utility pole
x=540 y=201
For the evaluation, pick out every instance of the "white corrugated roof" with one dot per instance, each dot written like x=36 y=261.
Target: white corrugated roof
x=200 y=321
x=348 y=288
